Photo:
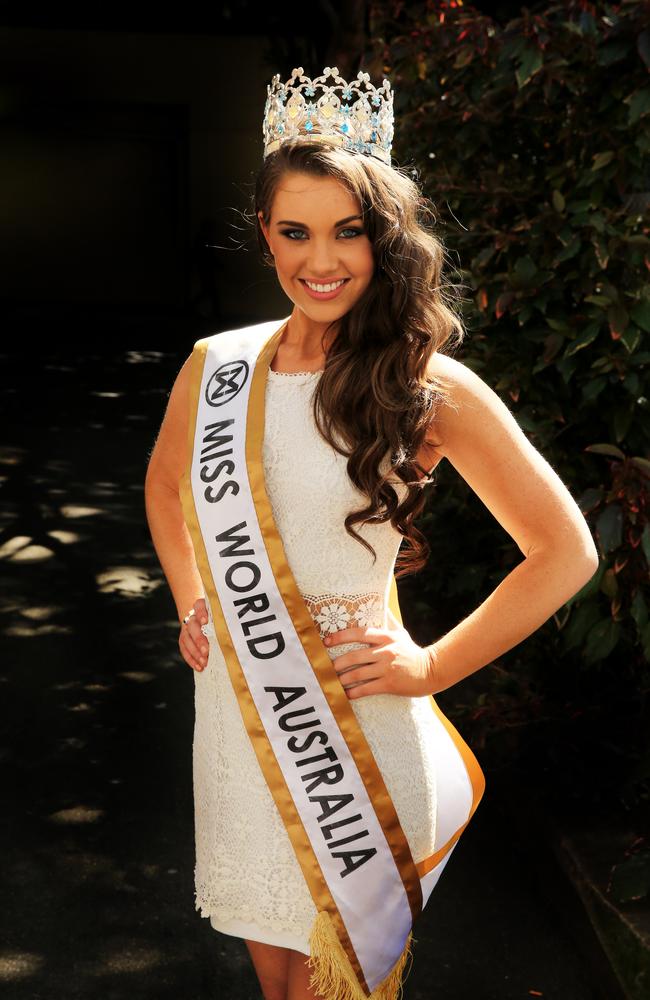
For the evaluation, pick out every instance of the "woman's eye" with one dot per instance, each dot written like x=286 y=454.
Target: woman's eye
x=289 y=232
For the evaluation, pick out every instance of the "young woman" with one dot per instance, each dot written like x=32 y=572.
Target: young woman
x=352 y=403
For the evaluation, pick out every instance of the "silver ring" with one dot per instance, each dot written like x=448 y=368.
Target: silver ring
x=187 y=617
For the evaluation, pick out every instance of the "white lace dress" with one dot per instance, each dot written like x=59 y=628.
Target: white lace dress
x=247 y=877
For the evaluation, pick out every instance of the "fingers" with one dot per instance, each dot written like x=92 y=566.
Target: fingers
x=368 y=687
x=192 y=643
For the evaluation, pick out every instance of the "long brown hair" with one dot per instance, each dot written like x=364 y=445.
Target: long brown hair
x=375 y=394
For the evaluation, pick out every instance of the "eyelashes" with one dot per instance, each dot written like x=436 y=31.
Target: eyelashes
x=288 y=232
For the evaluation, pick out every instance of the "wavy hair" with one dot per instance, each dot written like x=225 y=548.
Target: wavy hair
x=376 y=395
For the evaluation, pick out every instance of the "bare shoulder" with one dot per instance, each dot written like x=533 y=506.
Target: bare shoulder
x=469 y=402
x=483 y=441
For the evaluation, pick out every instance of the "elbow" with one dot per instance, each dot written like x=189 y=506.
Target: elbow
x=159 y=486
x=583 y=562
x=577 y=560
x=588 y=554
x=591 y=562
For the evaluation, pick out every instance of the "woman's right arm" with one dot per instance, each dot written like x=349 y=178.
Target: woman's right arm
x=169 y=532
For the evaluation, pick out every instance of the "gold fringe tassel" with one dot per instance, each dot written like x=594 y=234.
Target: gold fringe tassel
x=334 y=978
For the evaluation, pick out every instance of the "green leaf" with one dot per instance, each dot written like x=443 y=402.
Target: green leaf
x=579 y=206
x=643 y=46
x=645 y=543
x=583 y=618
x=618 y=319
x=641 y=315
x=602 y=159
x=639 y=610
x=606 y=449
x=642 y=463
x=639 y=103
x=571 y=250
x=612 y=52
x=593 y=388
x=531 y=63
x=587 y=337
x=525 y=270
x=609 y=526
x=601 y=640
x=622 y=419
x=589 y=499
x=631 y=339
x=557 y=199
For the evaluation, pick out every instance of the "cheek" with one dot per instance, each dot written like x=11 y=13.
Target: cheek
x=287 y=257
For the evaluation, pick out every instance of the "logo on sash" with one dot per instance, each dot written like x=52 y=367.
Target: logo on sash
x=224 y=384
x=334 y=802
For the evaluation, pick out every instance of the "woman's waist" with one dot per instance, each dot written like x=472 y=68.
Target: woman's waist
x=332 y=611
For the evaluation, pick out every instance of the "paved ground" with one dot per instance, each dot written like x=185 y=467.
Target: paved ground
x=97 y=824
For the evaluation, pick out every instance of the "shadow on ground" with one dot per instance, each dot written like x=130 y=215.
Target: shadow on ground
x=97 y=828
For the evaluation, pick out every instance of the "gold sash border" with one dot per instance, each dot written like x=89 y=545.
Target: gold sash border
x=319 y=657
x=320 y=660
x=271 y=770
x=474 y=771
x=313 y=644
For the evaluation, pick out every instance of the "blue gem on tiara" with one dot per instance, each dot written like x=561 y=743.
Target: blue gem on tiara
x=369 y=113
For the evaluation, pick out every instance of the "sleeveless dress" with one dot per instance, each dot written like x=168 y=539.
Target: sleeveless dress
x=247 y=877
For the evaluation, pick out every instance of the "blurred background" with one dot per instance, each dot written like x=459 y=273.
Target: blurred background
x=131 y=135
x=130 y=139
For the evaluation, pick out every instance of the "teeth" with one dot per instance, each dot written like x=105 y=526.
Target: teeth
x=324 y=288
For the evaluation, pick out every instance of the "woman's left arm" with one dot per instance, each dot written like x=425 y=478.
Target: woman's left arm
x=483 y=441
x=485 y=444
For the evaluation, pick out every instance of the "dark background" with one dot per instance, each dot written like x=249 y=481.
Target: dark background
x=130 y=135
x=130 y=138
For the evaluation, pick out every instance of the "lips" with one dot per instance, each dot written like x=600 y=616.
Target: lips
x=323 y=296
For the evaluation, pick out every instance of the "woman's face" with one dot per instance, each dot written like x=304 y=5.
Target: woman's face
x=317 y=235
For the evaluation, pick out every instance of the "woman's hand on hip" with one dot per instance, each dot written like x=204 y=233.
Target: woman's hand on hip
x=391 y=663
x=191 y=641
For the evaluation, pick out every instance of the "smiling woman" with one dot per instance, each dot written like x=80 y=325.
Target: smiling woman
x=318 y=259
x=329 y=788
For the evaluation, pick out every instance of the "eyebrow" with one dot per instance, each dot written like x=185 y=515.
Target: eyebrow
x=292 y=222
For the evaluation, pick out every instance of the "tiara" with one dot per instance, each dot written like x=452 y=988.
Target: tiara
x=359 y=120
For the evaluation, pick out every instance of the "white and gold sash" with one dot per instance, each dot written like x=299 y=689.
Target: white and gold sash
x=319 y=768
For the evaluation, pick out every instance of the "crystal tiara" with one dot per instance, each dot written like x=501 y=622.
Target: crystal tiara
x=360 y=120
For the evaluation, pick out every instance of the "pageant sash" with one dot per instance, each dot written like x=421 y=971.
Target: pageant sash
x=319 y=768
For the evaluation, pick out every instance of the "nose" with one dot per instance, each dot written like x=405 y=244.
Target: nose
x=323 y=259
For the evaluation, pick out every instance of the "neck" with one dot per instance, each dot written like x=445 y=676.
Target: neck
x=304 y=339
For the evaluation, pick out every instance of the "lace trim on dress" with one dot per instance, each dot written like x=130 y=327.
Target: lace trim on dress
x=318 y=371
x=333 y=612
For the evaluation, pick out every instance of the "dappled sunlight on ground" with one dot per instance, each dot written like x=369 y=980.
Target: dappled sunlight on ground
x=15 y=965
x=96 y=747
x=127 y=580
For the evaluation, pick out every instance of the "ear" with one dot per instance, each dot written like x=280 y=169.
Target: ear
x=265 y=231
